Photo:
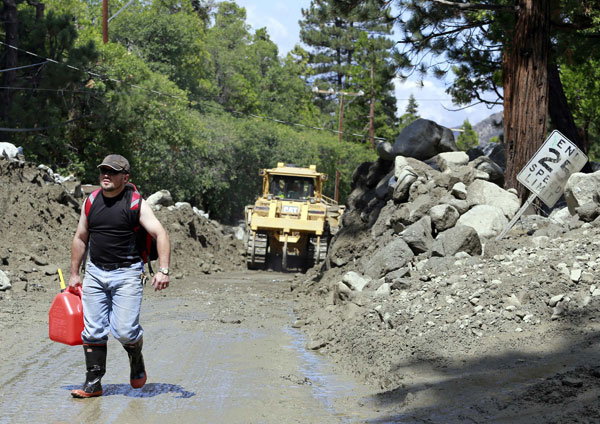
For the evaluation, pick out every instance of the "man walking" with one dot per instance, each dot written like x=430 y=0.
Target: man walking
x=112 y=286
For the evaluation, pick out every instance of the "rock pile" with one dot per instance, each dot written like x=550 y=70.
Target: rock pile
x=414 y=209
x=415 y=279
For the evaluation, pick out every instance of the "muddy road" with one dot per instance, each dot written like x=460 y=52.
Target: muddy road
x=218 y=349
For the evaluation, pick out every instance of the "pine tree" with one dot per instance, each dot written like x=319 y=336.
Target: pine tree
x=468 y=138
x=350 y=51
x=412 y=107
x=411 y=113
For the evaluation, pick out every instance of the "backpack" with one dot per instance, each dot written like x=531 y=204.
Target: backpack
x=145 y=243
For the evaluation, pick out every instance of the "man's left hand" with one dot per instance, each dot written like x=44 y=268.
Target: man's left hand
x=160 y=281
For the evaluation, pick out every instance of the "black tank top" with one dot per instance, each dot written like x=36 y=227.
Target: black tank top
x=110 y=227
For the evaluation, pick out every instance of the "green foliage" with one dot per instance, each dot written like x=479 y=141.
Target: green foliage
x=468 y=138
x=158 y=95
x=54 y=37
x=170 y=39
x=582 y=88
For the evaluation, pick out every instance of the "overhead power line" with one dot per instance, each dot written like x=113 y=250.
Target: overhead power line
x=23 y=67
x=59 y=90
x=107 y=78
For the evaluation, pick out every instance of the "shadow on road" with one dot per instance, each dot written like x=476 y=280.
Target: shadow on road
x=511 y=387
x=149 y=390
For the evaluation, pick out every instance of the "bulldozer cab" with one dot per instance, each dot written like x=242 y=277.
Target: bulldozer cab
x=291 y=187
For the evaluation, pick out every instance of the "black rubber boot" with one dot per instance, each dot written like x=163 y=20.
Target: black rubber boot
x=95 y=363
x=137 y=377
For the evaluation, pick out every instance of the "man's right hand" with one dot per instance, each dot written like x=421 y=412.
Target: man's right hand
x=74 y=280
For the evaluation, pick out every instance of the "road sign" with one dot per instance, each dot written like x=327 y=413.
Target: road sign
x=548 y=170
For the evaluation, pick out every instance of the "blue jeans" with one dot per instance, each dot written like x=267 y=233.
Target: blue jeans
x=112 y=300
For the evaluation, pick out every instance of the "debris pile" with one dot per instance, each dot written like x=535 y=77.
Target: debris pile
x=415 y=279
x=39 y=211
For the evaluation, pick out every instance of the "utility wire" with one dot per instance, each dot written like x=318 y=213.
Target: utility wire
x=120 y=10
x=23 y=67
x=185 y=99
x=59 y=90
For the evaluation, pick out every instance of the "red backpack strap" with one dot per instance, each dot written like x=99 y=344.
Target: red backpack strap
x=136 y=201
x=90 y=200
x=136 y=198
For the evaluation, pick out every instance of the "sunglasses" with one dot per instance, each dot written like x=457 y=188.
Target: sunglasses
x=109 y=171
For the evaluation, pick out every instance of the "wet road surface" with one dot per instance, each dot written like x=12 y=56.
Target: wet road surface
x=220 y=349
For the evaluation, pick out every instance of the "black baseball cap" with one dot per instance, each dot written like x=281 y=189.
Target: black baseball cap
x=116 y=162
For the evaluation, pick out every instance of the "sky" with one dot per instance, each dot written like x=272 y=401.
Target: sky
x=281 y=20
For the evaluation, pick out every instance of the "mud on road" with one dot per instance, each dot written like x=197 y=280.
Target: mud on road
x=217 y=349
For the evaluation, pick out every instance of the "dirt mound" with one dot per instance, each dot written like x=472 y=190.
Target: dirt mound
x=199 y=244
x=38 y=217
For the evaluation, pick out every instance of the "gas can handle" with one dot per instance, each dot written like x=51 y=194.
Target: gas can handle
x=75 y=290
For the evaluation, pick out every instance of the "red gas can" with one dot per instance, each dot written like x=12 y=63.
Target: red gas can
x=66 y=318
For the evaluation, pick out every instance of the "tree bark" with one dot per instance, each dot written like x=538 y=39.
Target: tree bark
x=525 y=64
x=11 y=29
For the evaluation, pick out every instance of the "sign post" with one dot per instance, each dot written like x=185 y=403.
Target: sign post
x=547 y=172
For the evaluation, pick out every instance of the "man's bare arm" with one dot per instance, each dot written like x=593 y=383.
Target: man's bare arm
x=149 y=221
x=78 y=249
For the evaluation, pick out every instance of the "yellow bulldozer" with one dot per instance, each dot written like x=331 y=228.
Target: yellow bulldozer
x=292 y=220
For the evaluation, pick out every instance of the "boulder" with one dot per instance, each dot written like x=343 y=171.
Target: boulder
x=482 y=192
x=394 y=276
x=386 y=259
x=487 y=220
x=485 y=164
x=355 y=281
x=360 y=197
x=580 y=189
x=404 y=181
x=384 y=290
x=451 y=160
x=418 y=235
x=424 y=139
x=359 y=176
x=162 y=198
x=497 y=153
x=588 y=211
x=460 y=238
x=382 y=187
x=385 y=150
x=562 y=216
x=443 y=216
x=377 y=171
x=459 y=190
x=8 y=150
x=418 y=208
x=200 y=212
x=183 y=205
x=446 y=181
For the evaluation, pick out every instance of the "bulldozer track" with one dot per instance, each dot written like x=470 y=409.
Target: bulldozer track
x=256 y=253
x=317 y=255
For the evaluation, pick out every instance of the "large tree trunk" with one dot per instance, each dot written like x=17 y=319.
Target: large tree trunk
x=525 y=65
x=9 y=56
